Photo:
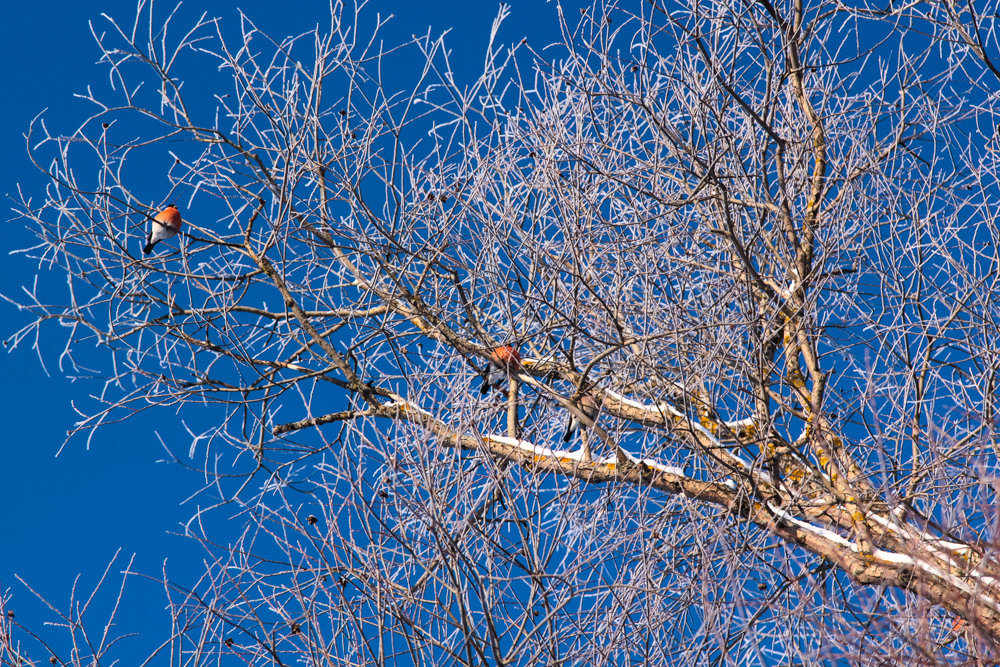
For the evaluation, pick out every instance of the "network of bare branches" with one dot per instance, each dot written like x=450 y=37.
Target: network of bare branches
x=748 y=248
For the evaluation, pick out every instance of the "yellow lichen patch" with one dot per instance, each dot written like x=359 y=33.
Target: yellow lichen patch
x=705 y=419
x=795 y=475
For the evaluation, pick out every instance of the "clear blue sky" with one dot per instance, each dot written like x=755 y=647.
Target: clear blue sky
x=68 y=515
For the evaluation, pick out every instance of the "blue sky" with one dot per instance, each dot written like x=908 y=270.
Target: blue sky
x=67 y=515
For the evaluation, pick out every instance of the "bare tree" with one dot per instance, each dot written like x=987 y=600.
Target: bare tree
x=749 y=247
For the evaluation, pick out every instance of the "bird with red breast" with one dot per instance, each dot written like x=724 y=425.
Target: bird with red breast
x=165 y=225
x=504 y=360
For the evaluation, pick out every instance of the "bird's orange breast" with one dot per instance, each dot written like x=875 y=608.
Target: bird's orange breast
x=507 y=356
x=170 y=216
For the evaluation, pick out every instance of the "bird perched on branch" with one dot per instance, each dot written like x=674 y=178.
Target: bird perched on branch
x=588 y=406
x=504 y=360
x=165 y=225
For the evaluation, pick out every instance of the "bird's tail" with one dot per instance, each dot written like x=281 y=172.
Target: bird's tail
x=493 y=379
x=148 y=249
